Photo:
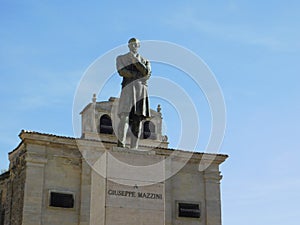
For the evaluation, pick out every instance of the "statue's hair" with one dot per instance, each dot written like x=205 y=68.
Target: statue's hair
x=131 y=40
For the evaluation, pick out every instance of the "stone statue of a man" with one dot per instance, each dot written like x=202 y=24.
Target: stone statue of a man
x=133 y=104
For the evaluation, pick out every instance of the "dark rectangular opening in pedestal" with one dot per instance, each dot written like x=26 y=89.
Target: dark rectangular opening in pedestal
x=62 y=200
x=190 y=210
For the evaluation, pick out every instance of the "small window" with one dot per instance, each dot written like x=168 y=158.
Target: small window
x=149 y=130
x=106 y=125
x=189 y=210
x=62 y=200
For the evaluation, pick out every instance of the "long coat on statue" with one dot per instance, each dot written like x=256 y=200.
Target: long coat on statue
x=135 y=71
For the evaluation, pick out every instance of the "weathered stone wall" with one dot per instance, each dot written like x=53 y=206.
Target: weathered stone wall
x=13 y=190
x=3 y=193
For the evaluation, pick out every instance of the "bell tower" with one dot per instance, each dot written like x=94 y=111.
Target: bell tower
x=99 y=122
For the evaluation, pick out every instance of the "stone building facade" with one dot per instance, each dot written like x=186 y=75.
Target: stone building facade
x=63 y=180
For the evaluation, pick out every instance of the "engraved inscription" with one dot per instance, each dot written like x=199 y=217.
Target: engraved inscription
x=134 y=194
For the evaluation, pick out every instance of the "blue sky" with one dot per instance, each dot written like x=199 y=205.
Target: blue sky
x=252 y=47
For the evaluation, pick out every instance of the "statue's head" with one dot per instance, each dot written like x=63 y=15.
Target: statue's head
x=133 y=45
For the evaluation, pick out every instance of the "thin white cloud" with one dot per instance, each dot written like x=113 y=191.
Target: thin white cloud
x=188 y=19
x=47 y=90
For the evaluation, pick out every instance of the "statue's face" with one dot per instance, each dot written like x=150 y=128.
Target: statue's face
x=134 y=46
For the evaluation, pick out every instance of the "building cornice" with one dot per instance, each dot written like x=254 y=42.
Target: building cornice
x=48 y=139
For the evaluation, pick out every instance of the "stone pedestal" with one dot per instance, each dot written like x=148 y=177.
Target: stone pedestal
x=128 y=187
